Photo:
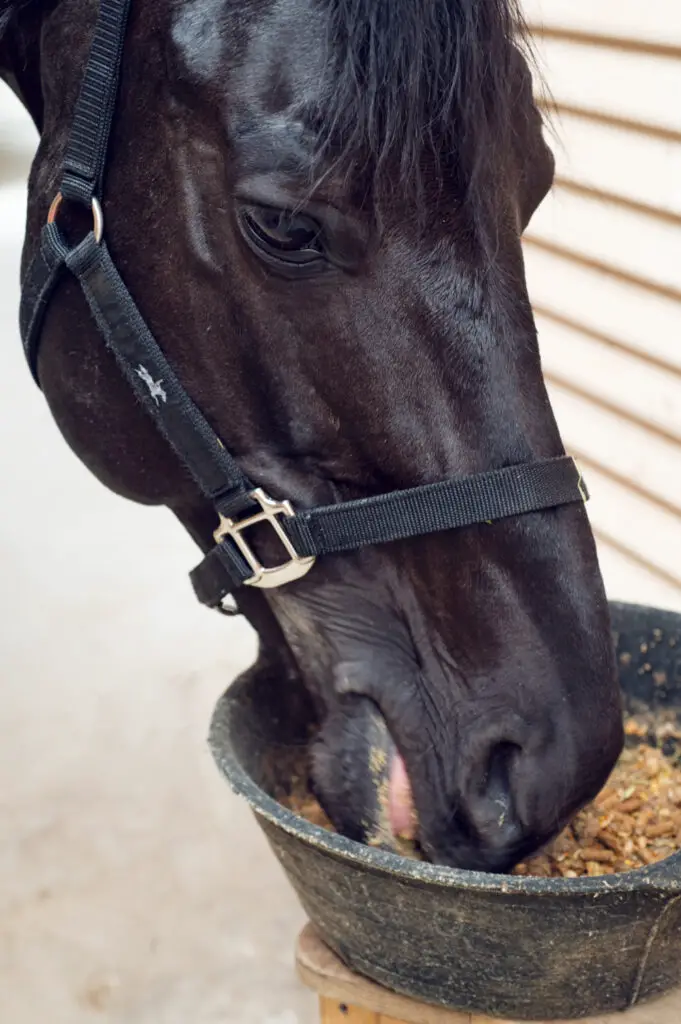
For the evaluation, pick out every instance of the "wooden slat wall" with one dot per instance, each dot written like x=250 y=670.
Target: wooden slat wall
x=645 y=21
x=603 y=258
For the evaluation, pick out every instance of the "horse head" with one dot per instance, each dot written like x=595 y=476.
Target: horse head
x=317 y=206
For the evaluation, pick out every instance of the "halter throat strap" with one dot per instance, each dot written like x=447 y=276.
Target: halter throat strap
x=304 y=535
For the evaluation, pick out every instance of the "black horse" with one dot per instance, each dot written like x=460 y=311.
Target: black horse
x=317 y=206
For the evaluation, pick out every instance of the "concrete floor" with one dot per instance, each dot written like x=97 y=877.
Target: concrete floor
x=133 y=886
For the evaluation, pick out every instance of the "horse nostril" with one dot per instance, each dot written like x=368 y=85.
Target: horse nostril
x=499 y=766
x=491 y=805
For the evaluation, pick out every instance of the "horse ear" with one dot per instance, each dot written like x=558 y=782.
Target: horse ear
x=536 y=163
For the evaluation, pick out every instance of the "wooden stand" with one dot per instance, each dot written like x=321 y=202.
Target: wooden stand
x=347 y=998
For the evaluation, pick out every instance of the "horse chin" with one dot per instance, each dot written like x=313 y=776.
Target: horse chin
x=355 y=777
x=362 y=782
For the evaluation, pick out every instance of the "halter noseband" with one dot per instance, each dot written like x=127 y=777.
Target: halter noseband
x=306 y=534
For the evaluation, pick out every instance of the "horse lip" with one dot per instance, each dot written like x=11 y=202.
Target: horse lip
x=393 y=820
x=401 y=807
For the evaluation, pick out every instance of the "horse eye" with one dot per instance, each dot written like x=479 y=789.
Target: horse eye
x=291 y=237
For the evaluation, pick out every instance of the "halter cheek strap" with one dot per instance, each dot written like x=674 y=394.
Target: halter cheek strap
x=306 y=534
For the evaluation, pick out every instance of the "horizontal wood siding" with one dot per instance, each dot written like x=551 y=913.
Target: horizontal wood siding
x=603 y=258
x=655 y=21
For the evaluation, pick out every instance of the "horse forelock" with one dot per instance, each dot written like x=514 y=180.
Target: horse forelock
x=410 y=77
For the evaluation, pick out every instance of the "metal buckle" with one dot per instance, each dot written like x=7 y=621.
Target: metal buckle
x=278 y=575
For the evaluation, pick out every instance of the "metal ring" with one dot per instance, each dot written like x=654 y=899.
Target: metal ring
x=97 y=215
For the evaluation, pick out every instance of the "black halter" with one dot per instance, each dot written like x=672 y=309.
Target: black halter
x=304 y=534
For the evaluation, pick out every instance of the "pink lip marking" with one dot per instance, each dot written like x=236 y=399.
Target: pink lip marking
x=401 y=801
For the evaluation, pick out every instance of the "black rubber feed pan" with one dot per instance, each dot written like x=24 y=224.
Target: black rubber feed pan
x=507 y=946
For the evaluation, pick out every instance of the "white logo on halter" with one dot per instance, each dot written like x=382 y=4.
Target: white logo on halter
x=155 y=389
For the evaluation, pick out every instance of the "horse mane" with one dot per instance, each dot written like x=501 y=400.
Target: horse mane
x=6 y=12
x=411 y=76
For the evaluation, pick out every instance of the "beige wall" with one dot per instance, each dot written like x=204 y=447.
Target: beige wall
x=604 y=269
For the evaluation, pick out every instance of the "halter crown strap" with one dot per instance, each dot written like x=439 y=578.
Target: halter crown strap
x=125 y=332
x=306 y=535
x=83 y=169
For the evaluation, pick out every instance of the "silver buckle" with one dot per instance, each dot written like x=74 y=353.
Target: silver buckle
x=278 y=575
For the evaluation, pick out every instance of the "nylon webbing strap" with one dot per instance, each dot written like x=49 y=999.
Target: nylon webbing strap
x=83 y=167
x=154 y=381
x=127 y=335
x=447 y=505
x=40 y=281
x=89 y=138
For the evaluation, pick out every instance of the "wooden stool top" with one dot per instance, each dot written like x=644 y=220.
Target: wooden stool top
x=351 y=999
